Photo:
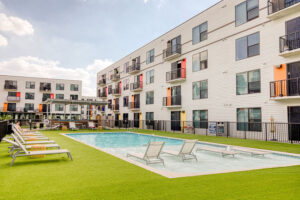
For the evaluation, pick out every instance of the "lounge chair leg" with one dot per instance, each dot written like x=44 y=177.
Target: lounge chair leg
x=13 y=160
x=70 y=156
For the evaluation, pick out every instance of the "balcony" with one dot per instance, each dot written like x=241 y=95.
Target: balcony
x=13 y=98
x=172 y=102
x=175 y=76
x=285 y=89
x=134 y=106
x=103 y=95
x=109 y=106
x=280 y=8
x=116 y=92
x=136 y=87
x=45 y=88
x=116 y=108
x=290 y=44
x=172 y=52
x=115 y=77
x=102 y=82
x=10 y=87
x=134 y=69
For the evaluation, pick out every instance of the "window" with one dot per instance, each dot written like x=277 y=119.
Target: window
x=46 y=96
x=74 y=87
x=125 y=101
x=126 y=84
x=149 y=116
x=150 y=97
x=74 y=97
x=247 y=46
x=200 y=33
x=59 y=96
x=200 y=90
x=30 y=85
x=109 y=89
x=150 y=77
x=248 y=82
x=11 y=85
x=29 y=96
x=200 y=61
x=29 y=106
x=45 y=86
x=59 y=107
x=200 y=118
x=246 y=11
x=60 y=86
x=126 y=68
x=74 y=108
x=150 y=56
x=109 y=104
x=249 y=119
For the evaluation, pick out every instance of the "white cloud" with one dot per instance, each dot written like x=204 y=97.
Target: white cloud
x=3 y=41
x=36 y=67
x=159 y=3
x=15 y=25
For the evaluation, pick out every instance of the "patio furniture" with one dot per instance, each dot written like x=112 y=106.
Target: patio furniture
x=152 y=153
x=217 y=150
x=92 y=125
x=72 y=126
x=186 y=151
x=251 y=151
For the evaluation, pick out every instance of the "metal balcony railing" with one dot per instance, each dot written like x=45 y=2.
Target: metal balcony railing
x=282 y=88
x=134 y=105
x=172 y=101
x=176 y=74
x=289 y=42
x=277 y=5
x=116 y=91
x=172 y=50
x=102 y=82
x=115 y=77
x=134 y=68
x=103 y=94
x=116 y=107
x=136 y=86
x=10 y=87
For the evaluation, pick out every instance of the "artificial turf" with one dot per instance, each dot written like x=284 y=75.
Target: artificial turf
x=96 y=175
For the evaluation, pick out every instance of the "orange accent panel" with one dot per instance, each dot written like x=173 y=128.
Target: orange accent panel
x=280 y=75
x=169 y=97
x=18 y=94
x=183 y=68
x=5 y=107
x=40 y=107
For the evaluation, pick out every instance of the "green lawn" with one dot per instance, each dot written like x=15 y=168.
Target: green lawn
x=97 y=175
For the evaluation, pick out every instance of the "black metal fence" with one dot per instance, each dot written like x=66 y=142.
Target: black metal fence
x=288 y=87
x=172 y=50
x=289 y=42
x=3 y=129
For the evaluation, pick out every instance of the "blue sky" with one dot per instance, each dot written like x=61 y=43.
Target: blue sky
x=83 y=35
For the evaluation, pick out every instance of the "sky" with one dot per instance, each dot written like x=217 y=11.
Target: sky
x=74 y=39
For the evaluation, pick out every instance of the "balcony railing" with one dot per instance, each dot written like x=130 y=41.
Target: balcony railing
x=175 y=75
x=116 y=107
x=109 y=106
x=134 y=105
x=115 y=77
x=172 y=52
x=116 y=91
x=172 y=101
x=137 y=86
x=102 y=82
x=103 y=94
x=45 y=88
x=10 y=87
x=284 y=88
x=13 y=98
x=134 y=68
x=289 y=42
x=277 y=5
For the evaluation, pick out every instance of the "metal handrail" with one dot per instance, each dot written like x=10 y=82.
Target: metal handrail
x=176 y=74
x=289 y=42
x=172 y=100
x=174 y=49
x=287 y=87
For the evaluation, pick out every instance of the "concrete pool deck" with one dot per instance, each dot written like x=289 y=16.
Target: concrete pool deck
x=170 y=174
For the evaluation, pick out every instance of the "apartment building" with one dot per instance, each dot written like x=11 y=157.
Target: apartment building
x=237 y=61
x=91 y=111
x=24 y=97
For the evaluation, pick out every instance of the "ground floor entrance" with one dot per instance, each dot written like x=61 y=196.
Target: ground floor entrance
x=294 y=123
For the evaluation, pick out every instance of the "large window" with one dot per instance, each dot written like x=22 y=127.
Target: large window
x=200 y=61
x=200 y=118
x=249 y=119
x=248 y=82
x=59 y=107
x=74 y=87
x=30 y=85
x=59 y=96
x=29 y=106
x=247 y=46
x=74 y=108
x=29 y=96
x=150 y=56
x=74 y=97
x=200 y=90
x=109 y=90
x=60 y=86
x=126 y=67
x=126 y=84
x=246 y=11
x=149 y=116
x=125 y=101
x=150 y=77
x=200 y=33
x=150 y=97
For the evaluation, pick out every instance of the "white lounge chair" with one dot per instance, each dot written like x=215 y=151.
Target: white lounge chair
x=27 y=137
x=15 y=146
x=226 y=152
x=186 y=151
x=151 y=155
x=92 y=125
x=253 y=152
x=72 y=126
x=19 y=153
x=23 y=132
x=32 y=142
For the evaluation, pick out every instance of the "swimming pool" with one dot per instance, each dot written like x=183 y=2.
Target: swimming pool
x=121 y=143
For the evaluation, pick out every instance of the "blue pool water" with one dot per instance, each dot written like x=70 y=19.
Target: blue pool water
x=119 y=140
x=122 y=143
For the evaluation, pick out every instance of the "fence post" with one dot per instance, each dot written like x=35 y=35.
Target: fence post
x=266 y=130
x=30 y=124
x=228 y=129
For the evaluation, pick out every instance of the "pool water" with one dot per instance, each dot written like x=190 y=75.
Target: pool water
x=208 y=162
